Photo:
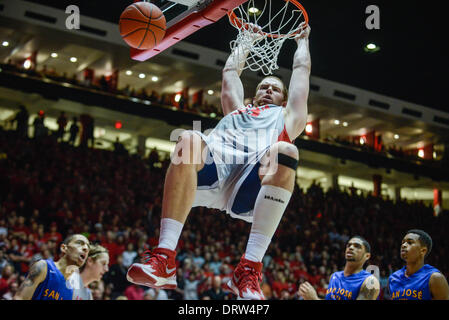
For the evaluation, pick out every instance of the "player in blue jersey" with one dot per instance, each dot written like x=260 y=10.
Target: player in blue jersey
x=353 y=283
x=256 y=185
x=47 y=280
x=416 y=280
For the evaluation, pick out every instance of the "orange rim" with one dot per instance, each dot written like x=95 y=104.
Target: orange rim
x=236 y=21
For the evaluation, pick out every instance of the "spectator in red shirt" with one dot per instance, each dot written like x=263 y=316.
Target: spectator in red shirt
x=112 y=247
x=302 y=273
x=20 y=228
x=121 y=247
x=7 y=278
x=279 y=284
x=134 y=292
x=53 y=234
x=314 y=277
x=321 y=289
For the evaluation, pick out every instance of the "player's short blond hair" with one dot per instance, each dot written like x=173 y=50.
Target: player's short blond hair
x=94 y=253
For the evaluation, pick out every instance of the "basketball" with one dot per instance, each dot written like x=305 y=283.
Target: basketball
x=142 y=25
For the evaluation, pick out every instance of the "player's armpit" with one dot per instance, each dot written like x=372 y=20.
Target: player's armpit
x=370 y=289
x=36 y=275
x=439 y=287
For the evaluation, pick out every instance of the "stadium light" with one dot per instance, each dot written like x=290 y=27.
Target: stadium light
x=142 y=76
x=210 y=92
x=253 y=10
x=396 y=136
x=154 y=78
x=309 y=128
x=128 y=72
x=54 y=55
x=362 y=140
x=27 y=64
x=5 y=43
x=421 y=153
x=73 y=59
x=337 y=122
x=371 y=47
x=178 y=97
x=345 y=124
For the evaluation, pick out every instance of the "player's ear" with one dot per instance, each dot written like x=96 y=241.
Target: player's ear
x=424 y=251
x=284 y=104
x=63 y=248
x=367 y=255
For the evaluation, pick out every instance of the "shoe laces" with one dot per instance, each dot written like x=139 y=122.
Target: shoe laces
x=150 y=258
x=250 y=278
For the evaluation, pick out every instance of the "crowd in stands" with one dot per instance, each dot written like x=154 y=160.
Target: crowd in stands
x=188 y=105
x=51 y=189
x=102 y=84
x=387 y=150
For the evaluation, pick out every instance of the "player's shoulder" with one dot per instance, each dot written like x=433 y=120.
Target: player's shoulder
x=372 y=280
x=429 y=268
x=437 y=276
x=39 y=264
x=38 y=270
x=397 y=274
x=336 y=274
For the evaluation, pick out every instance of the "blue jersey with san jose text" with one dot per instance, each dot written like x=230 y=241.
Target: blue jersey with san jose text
x=414 y=287
x=345 y=288
x=54 y=287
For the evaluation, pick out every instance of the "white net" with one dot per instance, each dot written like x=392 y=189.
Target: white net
x=277 y=22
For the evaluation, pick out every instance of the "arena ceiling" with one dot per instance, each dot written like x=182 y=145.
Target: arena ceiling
x=410 y=65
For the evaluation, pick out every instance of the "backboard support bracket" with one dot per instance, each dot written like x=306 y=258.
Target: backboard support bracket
x=196 y=17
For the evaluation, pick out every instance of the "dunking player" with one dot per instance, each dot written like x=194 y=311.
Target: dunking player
x=416 y=280
x=247 y=188
x=47 y=280
x=353 y=283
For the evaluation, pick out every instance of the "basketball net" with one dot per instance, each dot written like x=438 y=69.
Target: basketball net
x=275 y=28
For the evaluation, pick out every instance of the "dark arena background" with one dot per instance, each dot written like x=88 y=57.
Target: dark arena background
x=85 y=144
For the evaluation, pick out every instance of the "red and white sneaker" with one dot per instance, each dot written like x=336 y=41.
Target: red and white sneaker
x=245 y=280
x=156 y=271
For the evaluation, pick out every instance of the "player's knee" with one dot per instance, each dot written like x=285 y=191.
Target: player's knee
x=189 y=139
x=287 y=149
x=287 y=157
x=189 y=147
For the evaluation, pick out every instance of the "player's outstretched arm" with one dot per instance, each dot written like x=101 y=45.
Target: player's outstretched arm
x=307 y=292
x=439 y=287
x=232 y=92
x=370 y=289
x=37 y=274
x=296 y=117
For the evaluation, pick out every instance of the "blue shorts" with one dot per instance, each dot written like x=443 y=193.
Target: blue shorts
x=246 y=195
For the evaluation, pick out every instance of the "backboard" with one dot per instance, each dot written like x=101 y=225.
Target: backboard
x=185 y=17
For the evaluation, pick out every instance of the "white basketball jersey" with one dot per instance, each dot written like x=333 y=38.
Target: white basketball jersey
x=237 y=144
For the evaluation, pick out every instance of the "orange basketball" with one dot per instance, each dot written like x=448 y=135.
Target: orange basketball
x=142 y=25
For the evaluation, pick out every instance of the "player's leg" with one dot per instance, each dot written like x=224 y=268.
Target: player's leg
x=277 y=184
x=159 y=268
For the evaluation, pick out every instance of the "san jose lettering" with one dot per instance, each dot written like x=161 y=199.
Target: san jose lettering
x=339 y=293
x=407 y=293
